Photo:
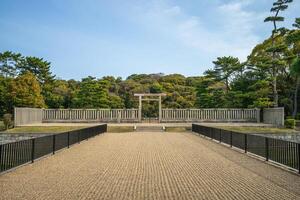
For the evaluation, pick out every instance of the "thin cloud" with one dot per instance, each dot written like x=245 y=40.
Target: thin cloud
x=236 y=35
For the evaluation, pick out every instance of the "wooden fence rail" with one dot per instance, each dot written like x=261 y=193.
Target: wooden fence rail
x=34 y=115
x=90 y=115
x=219 y=114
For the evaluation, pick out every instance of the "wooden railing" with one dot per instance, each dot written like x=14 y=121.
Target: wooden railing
x=90 y=115
x=219 y=114
x=34 y=115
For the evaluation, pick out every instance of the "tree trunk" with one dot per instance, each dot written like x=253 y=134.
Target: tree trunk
x=275 y=93
x=296 y=97
x=227 y=85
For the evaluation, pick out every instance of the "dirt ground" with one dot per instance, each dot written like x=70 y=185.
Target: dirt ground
x=149 y=166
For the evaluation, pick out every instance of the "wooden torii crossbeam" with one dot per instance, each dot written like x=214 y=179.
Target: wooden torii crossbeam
x=152 y=97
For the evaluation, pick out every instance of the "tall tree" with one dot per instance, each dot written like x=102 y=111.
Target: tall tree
x=9 y=63
x=39 y=67
x=293 y=40
x=26 y=91
x=92 y=93
x=278 y=6
x=225 y=67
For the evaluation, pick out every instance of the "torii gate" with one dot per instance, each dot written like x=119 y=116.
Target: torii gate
x=159 y=95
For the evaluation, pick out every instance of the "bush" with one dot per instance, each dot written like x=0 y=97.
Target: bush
x=290 y=117
x=298 y=116
x=7 y=120
x=2 y=126
x=290 y=123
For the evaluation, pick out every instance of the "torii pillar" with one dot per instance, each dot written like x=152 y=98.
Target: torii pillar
x=159 y=95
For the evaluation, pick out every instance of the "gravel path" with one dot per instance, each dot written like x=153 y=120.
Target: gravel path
x=149 y=166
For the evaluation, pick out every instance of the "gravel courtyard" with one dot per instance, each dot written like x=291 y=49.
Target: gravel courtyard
x=149 y=166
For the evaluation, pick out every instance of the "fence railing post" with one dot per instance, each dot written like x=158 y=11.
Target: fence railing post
x=68 y=139
x=299 y=158
x=78 y=137
x=220 y=135
x=32 y=150
x=267 y=148
x=230 y=138
x=53 y=147
x=245 y=143
x=1 y=146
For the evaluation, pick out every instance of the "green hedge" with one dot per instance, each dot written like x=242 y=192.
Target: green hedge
x=290 y=123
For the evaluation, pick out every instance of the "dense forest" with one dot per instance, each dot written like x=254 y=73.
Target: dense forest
x=270 y=77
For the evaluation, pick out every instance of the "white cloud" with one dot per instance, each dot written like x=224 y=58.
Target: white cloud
x=233 y=34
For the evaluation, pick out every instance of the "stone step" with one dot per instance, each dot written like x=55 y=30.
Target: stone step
x=149 y=129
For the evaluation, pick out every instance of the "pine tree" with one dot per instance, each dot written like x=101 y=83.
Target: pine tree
x=278 y=6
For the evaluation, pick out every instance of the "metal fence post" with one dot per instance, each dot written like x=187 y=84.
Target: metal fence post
x=220 y=135
x=32 y=150
x=245 y=143
x=299 y=158
x=68 y=139
x=230 y=138
x=53 y=147
x=267 y=148
x=1 y=158
x=78 y=134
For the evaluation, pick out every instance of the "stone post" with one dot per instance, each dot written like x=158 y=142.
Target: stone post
x=140 y=108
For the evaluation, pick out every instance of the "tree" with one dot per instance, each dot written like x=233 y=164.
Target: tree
x=278 y=6
x=295 y=71
x=92 y=93
x=224 y=69
x=25 y=91
x=293 y=40
x=9 y=63
x=39 y=67
x=6 y=104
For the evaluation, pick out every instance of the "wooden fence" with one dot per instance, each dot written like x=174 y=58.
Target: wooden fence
x=34 y=115
x=90 y=115
x=211 y=115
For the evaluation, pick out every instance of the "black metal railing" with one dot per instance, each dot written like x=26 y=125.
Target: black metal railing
x=25 y=151
x=276 y=150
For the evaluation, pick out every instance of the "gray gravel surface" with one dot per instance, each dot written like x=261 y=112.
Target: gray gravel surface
x=149 y=166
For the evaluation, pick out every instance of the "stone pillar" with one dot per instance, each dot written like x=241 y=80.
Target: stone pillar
x=159 y=107
x=140 y=108
x=258 y=115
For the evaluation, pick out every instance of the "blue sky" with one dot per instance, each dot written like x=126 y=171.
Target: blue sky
x=119 y=38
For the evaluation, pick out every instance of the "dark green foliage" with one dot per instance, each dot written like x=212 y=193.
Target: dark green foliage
x=7 y=120
x=92 y=93
x=290 y=123
x=8 y=63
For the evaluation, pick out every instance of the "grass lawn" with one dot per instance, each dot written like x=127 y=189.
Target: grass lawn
x=119 y=129
x=258 y=130
x=43 y=129
x=1 y=125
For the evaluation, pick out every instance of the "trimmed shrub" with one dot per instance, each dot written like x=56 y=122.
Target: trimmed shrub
x=7 y=120
x=290 y=123
x=298 y=116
